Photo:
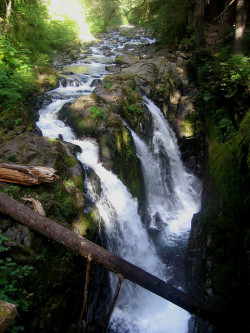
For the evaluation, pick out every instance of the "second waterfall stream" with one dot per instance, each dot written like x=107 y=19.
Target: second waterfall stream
x=172 y=197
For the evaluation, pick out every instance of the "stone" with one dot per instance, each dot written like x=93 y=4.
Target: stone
x=126 y=60
x=8 y=313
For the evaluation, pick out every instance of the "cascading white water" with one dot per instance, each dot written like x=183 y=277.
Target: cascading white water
x=137 y=310
x=170 y=194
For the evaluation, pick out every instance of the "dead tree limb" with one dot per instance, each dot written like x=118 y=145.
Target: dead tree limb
x=107 y=318
x=85 y=296
x=224 y=10
x=113 y=263
x=26 y=175
x=36 y=205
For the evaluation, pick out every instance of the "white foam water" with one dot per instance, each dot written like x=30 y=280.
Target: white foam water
x=137 y=310
x=170 y=193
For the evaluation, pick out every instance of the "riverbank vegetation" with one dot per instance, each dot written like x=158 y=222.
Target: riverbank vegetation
x=29 y=39
x=33 y=32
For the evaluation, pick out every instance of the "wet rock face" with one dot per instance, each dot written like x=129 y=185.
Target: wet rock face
x=56 y=286
x=101 y=115
x=30 y=148
x=217 y=260
x=96 y=117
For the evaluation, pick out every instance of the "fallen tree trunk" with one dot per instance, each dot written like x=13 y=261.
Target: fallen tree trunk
x=26 y=175
x=113 y=263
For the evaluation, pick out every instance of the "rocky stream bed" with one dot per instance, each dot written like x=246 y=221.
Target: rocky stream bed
x=100 y=97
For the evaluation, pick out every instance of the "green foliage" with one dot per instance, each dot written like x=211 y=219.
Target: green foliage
x=108 y=84
x=26 y=44
x=229 y=165
x=223 y=94
x=13 y=191
x=44 y=196
x=97 y=113
x=167 y=19
x=16 y=74
x=188 y=42
x=12 y=278
x=12 y=157
x=135 y=108
x=63 y=203
x=133 y=89
x=100 y=13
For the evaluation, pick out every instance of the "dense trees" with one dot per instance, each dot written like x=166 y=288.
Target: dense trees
x=28 y=38
x=241 y=16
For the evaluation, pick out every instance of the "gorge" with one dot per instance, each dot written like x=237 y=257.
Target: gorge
x=148 y=135
x=172 y=197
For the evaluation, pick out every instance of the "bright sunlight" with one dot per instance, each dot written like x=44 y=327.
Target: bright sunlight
x=72 y=10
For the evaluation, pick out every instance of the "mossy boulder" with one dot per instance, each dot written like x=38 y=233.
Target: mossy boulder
x=118 y=154
x=61 y=199
x=86 y=116
x=55 y=269
x=121 y=93
x=8 y=312
x=126 y=59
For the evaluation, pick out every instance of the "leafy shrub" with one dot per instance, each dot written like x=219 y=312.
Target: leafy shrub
x=26 y=46
x=13 y=191
x=223 y=94
x=12 y=281
x=101 y=14
x=167 y=19
x=135 y=108
x=97 y=113
x=108 y=84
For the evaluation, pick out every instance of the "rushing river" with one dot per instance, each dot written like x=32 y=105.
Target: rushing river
x=172 y=197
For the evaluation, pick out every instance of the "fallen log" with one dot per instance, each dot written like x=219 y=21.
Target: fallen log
x=113 y=263
x=26 y=175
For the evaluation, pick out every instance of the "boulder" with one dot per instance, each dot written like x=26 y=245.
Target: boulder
x=8 y=313
x=126 y=60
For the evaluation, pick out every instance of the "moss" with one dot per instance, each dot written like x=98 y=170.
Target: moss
x=222 y=279
x=83 y=224
x=105 y=149
x=126 y=164
x=108 y=82
x=47 y=80
x=70 y=161
x=77 y=180
x=188 y=126
x=69 y=183
x=229 y=167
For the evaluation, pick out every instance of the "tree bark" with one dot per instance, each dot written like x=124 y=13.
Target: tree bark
x=199 y=13
x=113 y=263
x=240 y=26
x=23 y=175
x=8 y=10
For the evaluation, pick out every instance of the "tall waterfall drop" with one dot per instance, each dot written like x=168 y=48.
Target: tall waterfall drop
x=172 y=197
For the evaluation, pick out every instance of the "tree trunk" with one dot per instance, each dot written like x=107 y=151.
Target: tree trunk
x=199 y=13
x=240 y=26
x=8 y=10
x=113 y=263
x=23 y=175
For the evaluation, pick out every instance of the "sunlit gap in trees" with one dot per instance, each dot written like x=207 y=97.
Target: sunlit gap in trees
x=72 y=10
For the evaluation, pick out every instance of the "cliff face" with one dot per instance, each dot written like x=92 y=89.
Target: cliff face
x=218 y=253
x=57 y=283
x=218 y=246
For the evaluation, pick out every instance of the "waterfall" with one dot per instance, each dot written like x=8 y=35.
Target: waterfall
x=137 y=310
x=172 y=193
x=172 y=197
